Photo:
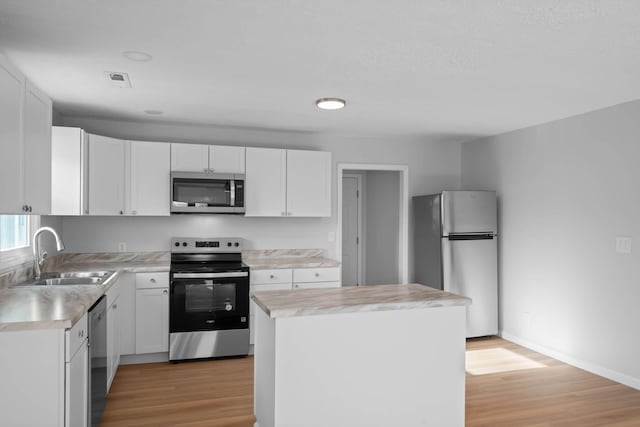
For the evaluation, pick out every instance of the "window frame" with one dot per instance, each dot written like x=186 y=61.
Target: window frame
x=14 y=257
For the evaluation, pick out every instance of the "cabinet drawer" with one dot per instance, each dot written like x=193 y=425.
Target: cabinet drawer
x=316 y=285
x=152 y=280
x=282 y=275
x=75 y=336
x=301 y=275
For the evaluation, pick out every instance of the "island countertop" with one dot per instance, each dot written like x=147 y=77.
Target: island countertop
x=308 y=302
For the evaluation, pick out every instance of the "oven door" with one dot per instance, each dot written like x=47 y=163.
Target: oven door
x=209 y=301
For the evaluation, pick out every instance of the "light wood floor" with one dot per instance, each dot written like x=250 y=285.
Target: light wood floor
x=507 y=385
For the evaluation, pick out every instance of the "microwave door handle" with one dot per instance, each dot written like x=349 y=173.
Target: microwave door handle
x=232 y=184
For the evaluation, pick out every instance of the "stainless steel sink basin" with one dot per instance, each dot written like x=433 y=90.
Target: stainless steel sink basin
x=77 y=275
x=70 y=278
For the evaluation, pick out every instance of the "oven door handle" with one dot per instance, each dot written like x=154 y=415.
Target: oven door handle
x=210 y=275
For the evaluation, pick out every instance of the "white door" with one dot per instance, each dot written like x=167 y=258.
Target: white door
x=106 y=175
x=150 y=170
x=224 y=159
x=189 y=157
x=308 y=183
x=37 y=151
x=350 y=231
x=12 y=90
x=152 y=320
x=265 y=185
x=76 y=389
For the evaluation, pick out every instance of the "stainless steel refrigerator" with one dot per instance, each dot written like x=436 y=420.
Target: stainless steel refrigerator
x=455 y=250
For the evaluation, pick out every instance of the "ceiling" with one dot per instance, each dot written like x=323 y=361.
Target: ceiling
x=436 y=69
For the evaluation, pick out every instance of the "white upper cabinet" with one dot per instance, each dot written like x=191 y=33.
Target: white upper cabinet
x=106 y=195
x=225 y=159
x=11 y=100
x=25 y=138
x=37 y=150
x=265 y=182
x=68 y=168
x=308 y=183
x=189 y=157
x=207 y=158
x=150 y=169
x=288 y=183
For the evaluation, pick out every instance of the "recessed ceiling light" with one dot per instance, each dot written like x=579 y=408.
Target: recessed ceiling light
x=154 y=112
x=137 y=56
x=331 y=103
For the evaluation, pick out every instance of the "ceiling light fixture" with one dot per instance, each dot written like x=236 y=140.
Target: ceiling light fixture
x=154 y=112
x=137 y=56
x=331 y=103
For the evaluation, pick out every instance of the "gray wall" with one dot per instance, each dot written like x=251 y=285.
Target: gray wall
x=433 y=166
x=382 y=227
x=566 y=190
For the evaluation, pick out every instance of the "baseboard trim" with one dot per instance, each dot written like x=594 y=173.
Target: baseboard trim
x=578 y=363
x=134 y=359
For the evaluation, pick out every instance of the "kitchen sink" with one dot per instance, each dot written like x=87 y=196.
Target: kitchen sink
x=77 y=275
x=70 y=278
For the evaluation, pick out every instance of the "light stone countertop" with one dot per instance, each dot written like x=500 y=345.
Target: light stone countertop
x=309 y=302
x=292 y=262
x=53 y=307
x=267 y=259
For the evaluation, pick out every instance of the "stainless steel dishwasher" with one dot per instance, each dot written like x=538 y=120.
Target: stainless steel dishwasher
x=97 y=361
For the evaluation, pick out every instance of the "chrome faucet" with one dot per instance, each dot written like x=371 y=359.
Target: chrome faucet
x=39 y=256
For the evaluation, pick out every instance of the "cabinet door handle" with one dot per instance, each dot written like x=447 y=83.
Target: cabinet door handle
x=121 y=212
x=296 y=286
x=81 y=333
x=165 y=292
x=271 y=276
x=317 y=274
x=114 y=305
x=25 y=208
x=152 y=280
x=30 y=208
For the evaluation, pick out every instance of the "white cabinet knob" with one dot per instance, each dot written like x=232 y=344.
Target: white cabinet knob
x=165 y=292
x=228 y=307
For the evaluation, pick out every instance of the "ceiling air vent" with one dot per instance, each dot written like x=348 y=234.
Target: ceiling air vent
x=118 y=79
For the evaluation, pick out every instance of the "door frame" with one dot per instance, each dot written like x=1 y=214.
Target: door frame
x=360 y=248
x=403 y=224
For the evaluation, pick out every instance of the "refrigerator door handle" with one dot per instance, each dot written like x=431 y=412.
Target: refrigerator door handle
x=475 y=236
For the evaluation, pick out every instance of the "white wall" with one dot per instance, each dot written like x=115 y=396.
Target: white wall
x=566 y=190
x=382 y=229
x=433 y=166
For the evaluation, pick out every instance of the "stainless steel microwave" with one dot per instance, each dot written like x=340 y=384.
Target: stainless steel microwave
x=201 y=192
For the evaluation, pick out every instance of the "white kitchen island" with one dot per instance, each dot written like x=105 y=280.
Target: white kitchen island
x=385 y=355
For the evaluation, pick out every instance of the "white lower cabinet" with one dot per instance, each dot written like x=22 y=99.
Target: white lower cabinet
x=152 y=313
x=76 y=390
x=113 y=332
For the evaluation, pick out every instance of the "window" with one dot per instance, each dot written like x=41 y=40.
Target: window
x=15 y=238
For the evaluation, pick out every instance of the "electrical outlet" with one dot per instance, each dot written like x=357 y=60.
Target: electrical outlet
x=623 y=244
x=122 y=247
x=331 y=237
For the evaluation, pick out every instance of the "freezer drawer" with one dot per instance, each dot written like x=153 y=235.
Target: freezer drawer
x=469 y=212
x=469 y=268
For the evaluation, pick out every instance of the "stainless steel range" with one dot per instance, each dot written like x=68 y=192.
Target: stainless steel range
x=209 y=299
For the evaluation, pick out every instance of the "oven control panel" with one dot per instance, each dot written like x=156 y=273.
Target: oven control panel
x=208 y=244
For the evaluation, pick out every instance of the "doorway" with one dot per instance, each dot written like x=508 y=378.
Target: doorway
x=352 y=222
x=373 y=223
